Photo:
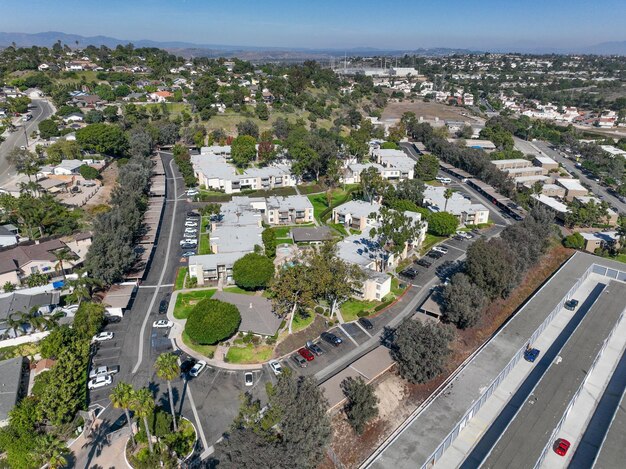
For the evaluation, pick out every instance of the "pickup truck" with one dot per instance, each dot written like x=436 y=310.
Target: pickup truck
x=103 y=371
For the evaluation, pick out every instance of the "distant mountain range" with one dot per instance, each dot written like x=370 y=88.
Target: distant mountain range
x=189 y=49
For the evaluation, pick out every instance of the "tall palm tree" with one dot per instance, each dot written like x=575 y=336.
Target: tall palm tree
x=143 y=405
x=15 y=321
x=447 y=194
x=82 y=287
x=52 y=451
x=63 y=255
x=122 y=398
x=167 y=368
x=33 y=317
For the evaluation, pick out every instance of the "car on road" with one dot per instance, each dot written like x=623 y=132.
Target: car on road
x=464 y=234
x=571 y=305
x=100 y=382
x=163 y=306
x=531 y=354
x=366 y=323
x=189 y=253
x=197 y=369
x=441 y=249
x=103 y=371
x=331 y=338
x=162 y=324
x=275 y=366
x=306 y=354
x=248 y=378
x=423 y=263
x=186 y=366
x=102 y=336
x=561 y=446
x=193 y=214
x=299 y=359
x=409 y=273
x=314 y=348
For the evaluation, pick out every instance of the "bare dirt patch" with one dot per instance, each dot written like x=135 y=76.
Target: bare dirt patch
x=398 y=398
x=109 y=181
x=427 y=110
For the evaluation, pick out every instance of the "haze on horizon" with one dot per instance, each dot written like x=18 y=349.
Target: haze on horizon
x=397 y=24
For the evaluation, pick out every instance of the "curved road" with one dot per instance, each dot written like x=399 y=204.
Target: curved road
x=41 y=110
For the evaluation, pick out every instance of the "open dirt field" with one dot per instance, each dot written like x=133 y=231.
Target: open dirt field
x=109 y=178
x=428 y=111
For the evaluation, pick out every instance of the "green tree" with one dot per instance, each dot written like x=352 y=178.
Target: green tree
x=243 y=150
x=253 y=271
x=122 y=397
x=248 y=128
x=62 y=256
x=442 y=223
x=262 y=111
x=373 y=185
x=269 y=242
x=362 y=403
x=394 y=231
x=103 y=138
x=167 y=368
x=427 y=167
x=293 y=289
x=211 y=321
x=447 y=194
x=52 y=451
x=88 y=172
x=421 y=349
x=48 y=128
x=142 y=404
x=88 y=319
x=463 y=302
x=574 y=241
x=492 y=265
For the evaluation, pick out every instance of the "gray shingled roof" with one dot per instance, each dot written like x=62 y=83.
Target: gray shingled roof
x=257 y=314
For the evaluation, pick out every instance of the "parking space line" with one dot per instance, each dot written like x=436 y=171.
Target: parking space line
x=362 y=328
x=348 y=335
x=453 y=247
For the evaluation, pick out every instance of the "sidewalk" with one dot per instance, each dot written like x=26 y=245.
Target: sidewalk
x=476 y=427
x=97 y=451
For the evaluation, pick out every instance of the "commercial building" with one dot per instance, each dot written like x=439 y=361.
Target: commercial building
x=465 y=210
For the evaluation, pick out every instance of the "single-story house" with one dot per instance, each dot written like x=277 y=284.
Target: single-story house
x=68 y=167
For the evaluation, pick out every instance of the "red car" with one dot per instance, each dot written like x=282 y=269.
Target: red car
x=306 y=354
x=562 y=445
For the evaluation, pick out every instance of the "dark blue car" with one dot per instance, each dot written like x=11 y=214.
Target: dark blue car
x=530 y=355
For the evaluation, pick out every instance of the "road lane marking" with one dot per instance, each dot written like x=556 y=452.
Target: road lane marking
x=348 y=335
x=362 y=328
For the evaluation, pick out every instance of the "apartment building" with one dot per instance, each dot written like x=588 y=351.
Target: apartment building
x=465 y=210
x=288 y=210
x=356 y=214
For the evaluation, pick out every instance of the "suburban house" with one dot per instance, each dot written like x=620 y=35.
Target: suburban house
x=356 y=214
x=7 y=238
x=74 y=117
x=465 y=210
x=160 y=96
x=19 y=262
x=311 y=235
x=23 y=302
x=612 y=216
x=600 y=239
x=559 y=209
x=215 y=172
x=67 y=167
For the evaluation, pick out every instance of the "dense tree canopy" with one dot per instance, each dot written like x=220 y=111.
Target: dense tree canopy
x=253 y=271
x=102 y=138
x=211 y=321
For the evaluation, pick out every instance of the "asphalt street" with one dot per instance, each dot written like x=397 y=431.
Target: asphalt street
x=40 y=110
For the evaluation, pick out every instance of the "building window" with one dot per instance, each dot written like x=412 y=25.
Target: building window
x=378 y=296
x=377 y=286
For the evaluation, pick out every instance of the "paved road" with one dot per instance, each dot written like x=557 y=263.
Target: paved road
x=595 y=187
x=613 y=452
x=41 y=110
x=598 y=427
x=523 y=439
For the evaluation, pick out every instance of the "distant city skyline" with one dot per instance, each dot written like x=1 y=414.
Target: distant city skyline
x=468 y=24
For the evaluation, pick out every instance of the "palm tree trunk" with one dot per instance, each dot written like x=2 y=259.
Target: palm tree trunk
x=130 y=426
x=293 y=313
x=169 y=391
x=145 y=422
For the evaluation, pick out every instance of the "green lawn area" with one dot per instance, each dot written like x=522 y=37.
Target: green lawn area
x=180 y=278
x=282 y=231
x=236 y=289
x=339 y=227
x=174 y=109
x=206 y=350
x=186 y=302
x=310 y=189
x=430 y=241
x=204 y=246
x=339 y=196
x=351 y=308
x=395 y=287
x=249 y=354
x=284 y=241
x=300 y=322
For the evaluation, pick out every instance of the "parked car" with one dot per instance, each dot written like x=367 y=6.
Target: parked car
x=571 y=304
x=561 y=447
x=111 y=319
x=163 y=306
x=191 y=230
x=314 y=348
x=102 y=336
x=197 y=368
x=100 y=382
x=409 y=273
x=192 y=192
x=248 y=378
x=186 y=366
x=434 y=254
x=299 y=359
x=366 y=323
x=306 y=354
x=103 y=371
x=191 y=224
x=162 y=324
x=188 y=242
x=189 y=253
x=70 y=310
x=531 y=354
x=275 y=366
x=331 y=338
x=424 y=263
x=441 y=249
x=193 y=214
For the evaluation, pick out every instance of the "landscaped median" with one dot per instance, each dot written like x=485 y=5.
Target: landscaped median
x=186 y=301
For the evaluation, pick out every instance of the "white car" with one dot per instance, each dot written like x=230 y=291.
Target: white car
x=100 y=382
x=191 y=230
x=191 y=223
x=162 y=324
x=197 y=368
x=192 y=192
x=276 y=368
x=441 y=249
x=248 y=378
x=103 y=336
x=188 y=241
x=103 y=371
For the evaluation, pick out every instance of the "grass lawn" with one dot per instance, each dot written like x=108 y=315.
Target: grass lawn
x=186 y=302
x=300 y=322
x=236 y=289
x=249 y=354
x=284 y=241
x=310 y=189
x=351 y=308
x=430 y=241
x=174 y=109
x=206 y=350
x=339 y=227
x=282 y=231
x=320 y=202
x=395 y=287
x=180 y=278
x=203 y=246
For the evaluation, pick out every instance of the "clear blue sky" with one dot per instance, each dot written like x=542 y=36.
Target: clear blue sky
x=486 y=24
